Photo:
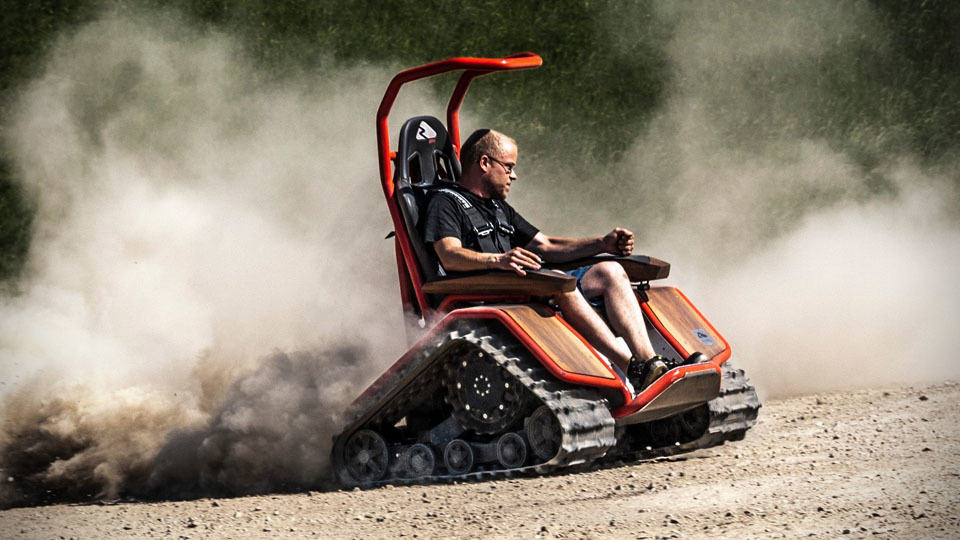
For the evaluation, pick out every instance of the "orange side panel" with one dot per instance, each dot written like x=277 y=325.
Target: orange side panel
x=687 y=330
x=538 y=331
x=684 y=325
x=563 y=346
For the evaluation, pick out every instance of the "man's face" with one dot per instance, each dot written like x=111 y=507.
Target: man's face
x=496 y=179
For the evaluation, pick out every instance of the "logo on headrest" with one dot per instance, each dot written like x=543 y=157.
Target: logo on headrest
x=425 y=132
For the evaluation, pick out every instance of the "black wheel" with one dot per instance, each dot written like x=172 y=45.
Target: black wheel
x=458 y=457
x=664 y=432
x=511 y=450
x=366 y=457
x=543 y=432
x=694 y=423
x=419 y=461
x=484 y=397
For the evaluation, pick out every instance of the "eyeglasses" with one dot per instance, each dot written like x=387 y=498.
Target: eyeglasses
x=507 y=168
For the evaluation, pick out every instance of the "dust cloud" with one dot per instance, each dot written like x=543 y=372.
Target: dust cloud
x=273 y=430
x=823 y=270
x=862 y=296
x=197 y=225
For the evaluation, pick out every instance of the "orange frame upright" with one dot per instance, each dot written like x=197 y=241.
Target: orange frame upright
x=473 y=68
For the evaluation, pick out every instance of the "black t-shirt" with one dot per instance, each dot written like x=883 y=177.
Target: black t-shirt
x=446 y=217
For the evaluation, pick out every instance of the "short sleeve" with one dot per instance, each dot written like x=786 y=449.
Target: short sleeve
x=443 y=219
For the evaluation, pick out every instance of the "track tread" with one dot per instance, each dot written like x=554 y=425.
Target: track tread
x=588 y=429
x=732 y=413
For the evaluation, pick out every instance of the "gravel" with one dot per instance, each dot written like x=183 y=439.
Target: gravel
x=871 y=463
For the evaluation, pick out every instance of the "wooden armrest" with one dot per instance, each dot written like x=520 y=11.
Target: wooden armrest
x=638 y=267
x=535 y=283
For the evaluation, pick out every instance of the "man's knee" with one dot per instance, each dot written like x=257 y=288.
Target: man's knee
x=609 y=273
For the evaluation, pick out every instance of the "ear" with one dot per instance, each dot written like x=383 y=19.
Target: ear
x=484 y=162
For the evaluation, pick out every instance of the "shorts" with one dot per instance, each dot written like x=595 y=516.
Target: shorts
x=596 y=301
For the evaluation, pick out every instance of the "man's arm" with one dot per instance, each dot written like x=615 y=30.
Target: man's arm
x=453 y=256
x=558 y=249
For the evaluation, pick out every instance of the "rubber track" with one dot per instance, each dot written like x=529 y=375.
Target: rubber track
x=588 y=429
x=732 y=413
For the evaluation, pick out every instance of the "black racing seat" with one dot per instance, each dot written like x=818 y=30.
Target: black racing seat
x=425 y=159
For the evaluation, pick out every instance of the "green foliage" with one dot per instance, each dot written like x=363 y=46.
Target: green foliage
x=28 y=28
x=605 y=73
x=926 y=80
x=873 y=96
x=585 y=86
x=16 y=220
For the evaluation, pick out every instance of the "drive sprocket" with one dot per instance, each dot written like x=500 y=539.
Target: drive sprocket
x=485 y=398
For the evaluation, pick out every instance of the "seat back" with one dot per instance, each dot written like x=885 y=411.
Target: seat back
x=425 y=159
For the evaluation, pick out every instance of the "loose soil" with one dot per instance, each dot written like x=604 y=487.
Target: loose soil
x=870 y=463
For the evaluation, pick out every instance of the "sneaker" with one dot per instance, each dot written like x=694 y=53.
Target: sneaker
x=642 y=374
x=655 y=367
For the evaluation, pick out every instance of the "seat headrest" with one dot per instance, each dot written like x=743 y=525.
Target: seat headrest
x=425 y=153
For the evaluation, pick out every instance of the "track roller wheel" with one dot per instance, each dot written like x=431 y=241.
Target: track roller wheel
x=511 y=450
x=694 y=423
x=665 y=432
x=366 y=457
x=543 y=432
x=458 y=457
x=419 y=461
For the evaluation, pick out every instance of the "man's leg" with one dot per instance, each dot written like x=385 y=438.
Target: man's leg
x=608 y=279
x=577 y=311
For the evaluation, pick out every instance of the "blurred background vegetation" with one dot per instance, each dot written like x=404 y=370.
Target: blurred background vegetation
x=593 y=83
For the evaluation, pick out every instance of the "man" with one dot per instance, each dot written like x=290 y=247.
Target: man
x=506 y=241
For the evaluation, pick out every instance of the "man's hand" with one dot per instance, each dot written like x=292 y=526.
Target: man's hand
x=518 y=259
x=618 y=242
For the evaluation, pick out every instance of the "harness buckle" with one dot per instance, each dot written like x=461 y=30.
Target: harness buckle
x=483 y=232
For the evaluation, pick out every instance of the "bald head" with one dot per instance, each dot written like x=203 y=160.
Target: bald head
x=483 y=141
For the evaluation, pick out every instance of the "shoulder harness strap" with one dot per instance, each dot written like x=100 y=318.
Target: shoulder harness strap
x=504 y=229
x=483 y=230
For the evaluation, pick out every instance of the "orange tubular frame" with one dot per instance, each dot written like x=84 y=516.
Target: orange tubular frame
x=473 y=68
x=411 y=280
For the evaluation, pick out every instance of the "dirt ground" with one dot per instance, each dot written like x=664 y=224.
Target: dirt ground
x=882 y=463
